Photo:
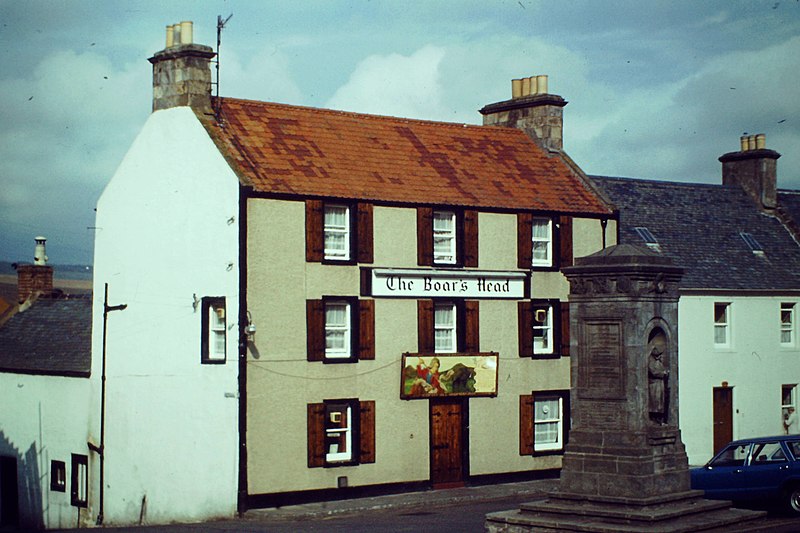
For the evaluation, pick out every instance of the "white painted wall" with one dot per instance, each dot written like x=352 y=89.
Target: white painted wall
x=168 y=235
x=755 y=365
x=44 y=418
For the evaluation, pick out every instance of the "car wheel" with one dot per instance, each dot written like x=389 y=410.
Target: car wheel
x=793 y=499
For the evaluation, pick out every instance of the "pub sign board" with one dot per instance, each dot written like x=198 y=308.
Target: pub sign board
x=433 y=283
x=447 y=375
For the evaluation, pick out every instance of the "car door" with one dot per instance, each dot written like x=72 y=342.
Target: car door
x=724 y=476
x=768 y=468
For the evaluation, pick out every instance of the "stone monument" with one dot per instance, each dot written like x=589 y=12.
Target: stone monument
x=625 y=466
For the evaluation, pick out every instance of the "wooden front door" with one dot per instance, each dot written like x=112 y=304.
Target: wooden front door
x=448 y=438
x=723 y=417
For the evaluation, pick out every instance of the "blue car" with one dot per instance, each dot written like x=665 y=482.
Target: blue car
x=764 y=469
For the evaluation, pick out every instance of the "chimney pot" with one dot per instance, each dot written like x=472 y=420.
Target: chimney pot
x=39 y=255
x=526 y=86
x=751 y=142
x=170 y=37
x=186 y=32
x=541 y=84
x=516 y=88
x=743 y=143
x=761 y=141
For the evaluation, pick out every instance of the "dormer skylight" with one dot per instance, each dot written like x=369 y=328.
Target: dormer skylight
x=751 y=241
x=648 y=238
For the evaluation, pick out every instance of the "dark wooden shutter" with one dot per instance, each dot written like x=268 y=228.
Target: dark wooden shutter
x=315 y=230
x=364 y=233
x=565 y=241
x=425 y=236
x=472 y=327
x=315 y=423
x=564 y=332
x=366 y=436
x=425 y=333
x=470 y=238
x=315 y=330
x=525 y=326
x=526 y=424
x=524 y=240
x=366 y=329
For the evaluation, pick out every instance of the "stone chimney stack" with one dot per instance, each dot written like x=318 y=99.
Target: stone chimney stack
x=182 y=71
x=35 y=278
x=754 y=168
x=531 y=109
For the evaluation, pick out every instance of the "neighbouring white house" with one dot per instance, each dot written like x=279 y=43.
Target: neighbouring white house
x=45 y=397
x=739 y=299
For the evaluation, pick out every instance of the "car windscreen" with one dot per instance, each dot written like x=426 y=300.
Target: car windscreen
x=733 y=455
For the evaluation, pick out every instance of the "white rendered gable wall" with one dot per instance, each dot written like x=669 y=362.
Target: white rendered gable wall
x=168 y=235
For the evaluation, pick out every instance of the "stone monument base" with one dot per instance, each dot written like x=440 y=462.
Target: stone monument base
x=678 y=512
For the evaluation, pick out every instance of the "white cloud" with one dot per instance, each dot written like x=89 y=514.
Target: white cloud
x=407 y=86
x=266 y=76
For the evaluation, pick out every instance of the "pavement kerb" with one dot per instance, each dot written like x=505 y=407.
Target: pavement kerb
x=525 y=491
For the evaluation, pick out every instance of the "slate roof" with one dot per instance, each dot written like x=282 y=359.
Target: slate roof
x=699 y=226
x=52 y=337
x=789 y=201
x=290 y=150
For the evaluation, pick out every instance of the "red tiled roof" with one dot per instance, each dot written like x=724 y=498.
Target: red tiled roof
x=283 y=149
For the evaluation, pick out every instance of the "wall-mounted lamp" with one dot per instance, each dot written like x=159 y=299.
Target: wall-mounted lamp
x=250 y=328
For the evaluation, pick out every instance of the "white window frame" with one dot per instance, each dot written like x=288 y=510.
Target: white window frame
x=545 y=327
x=337 y=253
x=444 y=238
x=787 y=328
x=543 y=242
x=340 y=329
x=442 y=327
x=723 y=325
x=217 y=326
x=335 y=455
x=543 y=417
x=792 y=399
x=214 y=330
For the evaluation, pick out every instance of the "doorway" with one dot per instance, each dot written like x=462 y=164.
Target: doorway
x=723 y=417
x=448 y=441
x=9 y=496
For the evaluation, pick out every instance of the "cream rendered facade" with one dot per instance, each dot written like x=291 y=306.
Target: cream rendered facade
x=168 y=236
x=281 y=382
x=755 y=366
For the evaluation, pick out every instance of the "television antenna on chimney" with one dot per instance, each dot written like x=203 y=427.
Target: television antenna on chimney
x=217 y=103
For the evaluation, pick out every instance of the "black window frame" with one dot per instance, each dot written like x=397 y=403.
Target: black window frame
x=58 y=476
x=207 y=302
x=79 y=463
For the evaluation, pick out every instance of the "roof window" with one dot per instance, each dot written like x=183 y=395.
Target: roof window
x=751 y=241
x=648 y=238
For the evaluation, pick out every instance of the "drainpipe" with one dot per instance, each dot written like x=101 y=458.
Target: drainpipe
x=101 y=449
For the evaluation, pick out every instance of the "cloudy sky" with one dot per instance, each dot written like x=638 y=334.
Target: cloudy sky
x=656 y=89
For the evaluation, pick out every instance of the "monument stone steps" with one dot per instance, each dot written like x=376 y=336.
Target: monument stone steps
x=725 y=519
